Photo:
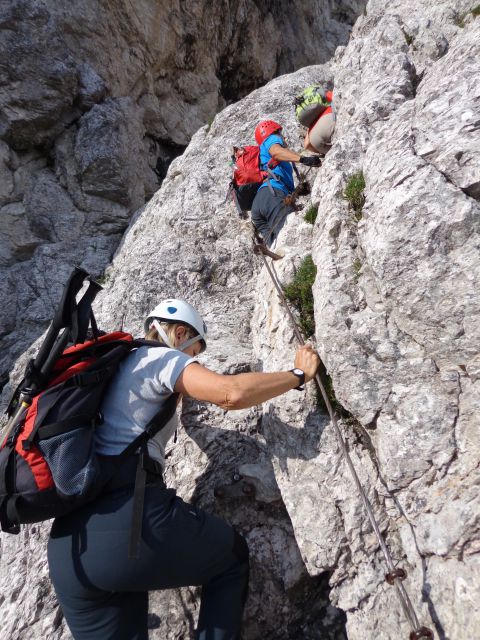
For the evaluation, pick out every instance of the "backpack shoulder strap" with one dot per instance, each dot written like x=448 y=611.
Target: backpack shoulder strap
x=156 y=424
x=143 y=342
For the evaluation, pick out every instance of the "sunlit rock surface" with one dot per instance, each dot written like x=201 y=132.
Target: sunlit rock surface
x=396 y=299
x=97 y=98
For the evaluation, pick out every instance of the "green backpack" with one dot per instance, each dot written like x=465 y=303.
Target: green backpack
x=310 y=104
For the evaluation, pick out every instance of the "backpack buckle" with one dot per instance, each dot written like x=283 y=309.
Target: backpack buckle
x=87 y=378
x=6 y=524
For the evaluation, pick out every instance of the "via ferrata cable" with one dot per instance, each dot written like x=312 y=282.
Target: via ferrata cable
x=395 y=575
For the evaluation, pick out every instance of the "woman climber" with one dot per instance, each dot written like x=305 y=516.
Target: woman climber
x=104 y=593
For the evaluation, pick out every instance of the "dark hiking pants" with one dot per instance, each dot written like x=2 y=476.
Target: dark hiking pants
x=104 y=595
x=269 y=213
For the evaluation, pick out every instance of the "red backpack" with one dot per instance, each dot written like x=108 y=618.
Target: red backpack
x=48 y=463
x=247 y=176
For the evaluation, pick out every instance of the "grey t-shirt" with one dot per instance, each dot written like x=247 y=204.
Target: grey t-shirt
x=145 y=379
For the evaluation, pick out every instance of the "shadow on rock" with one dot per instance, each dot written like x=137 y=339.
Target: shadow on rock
x=298 y=603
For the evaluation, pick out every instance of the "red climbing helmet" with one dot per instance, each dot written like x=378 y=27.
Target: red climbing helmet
x=265 y=129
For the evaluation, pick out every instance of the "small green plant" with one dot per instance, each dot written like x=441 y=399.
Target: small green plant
x=299 y=293
x=476 y=11
x=354 y=194
x=103 y=278
x=357 y=267
x=209 y=124
x=408 y=37
x=459 y=20
x=311 y=214
x=328 y=385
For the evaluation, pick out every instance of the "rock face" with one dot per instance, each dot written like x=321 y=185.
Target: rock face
x=395 y=299
x=95 y=101
x=395 y=310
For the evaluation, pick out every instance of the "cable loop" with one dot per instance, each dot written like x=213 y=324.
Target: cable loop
x=399 y=574
x=423 y=632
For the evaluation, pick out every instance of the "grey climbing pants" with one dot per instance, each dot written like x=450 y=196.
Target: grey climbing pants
x=104 y=595
x=269 y=213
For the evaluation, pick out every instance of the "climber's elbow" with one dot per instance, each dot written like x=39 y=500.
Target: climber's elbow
x=276 y=151
x=234 y=396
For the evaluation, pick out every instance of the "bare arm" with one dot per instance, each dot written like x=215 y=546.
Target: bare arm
x=283 y=154
x=243 y=390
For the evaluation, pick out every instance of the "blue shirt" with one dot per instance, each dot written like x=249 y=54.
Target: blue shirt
x=283 y=169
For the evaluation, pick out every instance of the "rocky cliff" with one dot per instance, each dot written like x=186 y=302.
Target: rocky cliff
x=97 y=98
x=395 y=309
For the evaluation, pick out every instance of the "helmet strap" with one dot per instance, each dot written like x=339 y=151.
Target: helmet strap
x=162 y=334
x=181 y=347
x=188 y=342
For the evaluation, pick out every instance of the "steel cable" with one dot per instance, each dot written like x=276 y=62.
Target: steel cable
x=395 y=575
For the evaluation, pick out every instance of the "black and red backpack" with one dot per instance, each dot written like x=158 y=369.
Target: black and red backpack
x=48 y=463
x=248 y=176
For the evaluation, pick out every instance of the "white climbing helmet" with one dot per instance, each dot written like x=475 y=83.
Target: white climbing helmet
x=175 y=310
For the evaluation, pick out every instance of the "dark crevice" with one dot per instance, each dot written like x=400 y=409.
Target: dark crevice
x=450 y=181
x=168 y=151
x=416 y=79
x=454 y=455
x=473 y=191
x=320 y=619
x=4 y=378
x=237 y=79
x=372 y=425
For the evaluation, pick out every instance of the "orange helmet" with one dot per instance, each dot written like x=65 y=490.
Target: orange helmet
x=265 y=129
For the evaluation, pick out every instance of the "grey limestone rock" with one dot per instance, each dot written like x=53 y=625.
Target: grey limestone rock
x=396 y=304
x=188 y=242
x=100 y=97
x=395 y=295
x=39 y=77
x=109 y=158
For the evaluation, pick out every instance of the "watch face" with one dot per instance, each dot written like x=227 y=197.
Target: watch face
x=298 y=372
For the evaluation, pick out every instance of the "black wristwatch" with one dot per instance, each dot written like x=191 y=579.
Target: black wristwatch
x=301 y=376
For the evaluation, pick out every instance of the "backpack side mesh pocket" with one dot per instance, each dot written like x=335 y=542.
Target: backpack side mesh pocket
x=72 y=461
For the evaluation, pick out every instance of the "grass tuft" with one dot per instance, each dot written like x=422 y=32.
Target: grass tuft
x=103 y=278
x=330 y=391
x=354 y=194
x=311 y=214
x=476 y=11
x=299 y=293
x=357 y=267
